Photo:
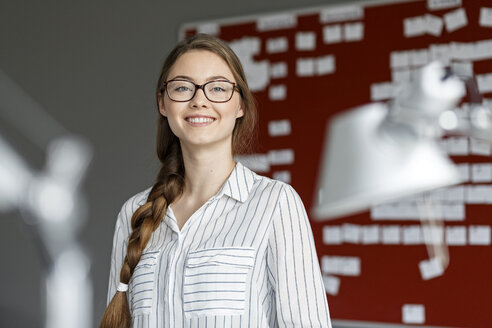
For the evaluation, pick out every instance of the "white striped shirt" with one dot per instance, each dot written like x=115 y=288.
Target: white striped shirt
x=246 y=258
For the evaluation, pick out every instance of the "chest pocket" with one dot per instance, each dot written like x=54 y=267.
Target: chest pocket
x=215 y=281
x=142 y=283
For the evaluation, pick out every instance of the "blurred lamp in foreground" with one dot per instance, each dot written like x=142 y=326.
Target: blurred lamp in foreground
x=380 y=152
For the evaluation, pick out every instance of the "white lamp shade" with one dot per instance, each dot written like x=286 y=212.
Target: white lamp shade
x=364 y=164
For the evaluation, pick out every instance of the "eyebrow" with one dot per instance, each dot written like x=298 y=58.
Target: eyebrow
x=211 y=78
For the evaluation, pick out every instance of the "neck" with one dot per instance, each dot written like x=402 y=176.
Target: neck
x=206 y=170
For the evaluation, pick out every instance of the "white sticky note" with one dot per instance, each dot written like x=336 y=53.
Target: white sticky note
x=279 y=128
x=277 y=92
x=479 y=235
x=246 y=47
x=276 y=22
x=370 y=234
x=390 y=234
x=457 y=146
x=332 y=284
x=209 y=28
x=340 y=14
x=332 y=34
x=278 y=70
x=412 y=235
x=305 y=67
x=453 y=212
x=256 y=162
x=401 y=75
x=431 y=268
x=480 y=147
x=455 y=194
x=464 y=171
x=442 y=4
x=276 y=45
x=433 y=25
x=399 y=59
x=481 y=172
x=281 y=156
x=413 y=313
x=349 y=266
x=325 y=65
x=455 y=20
x=353 y=32
x=257 y=74
x=433 y=235
x=351 y=233
x=419 y=57
x=456 y=235
x=475 y=195
x=414 y=26
x=305 y=41
x=283 y=176
x=441 y=52
x=332 y=235
x=462 y=68
x=330 y=264
x=485 y=17
x=383 y=91
x=484 y=82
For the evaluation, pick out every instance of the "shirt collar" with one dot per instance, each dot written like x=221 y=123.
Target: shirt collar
x=239 y=183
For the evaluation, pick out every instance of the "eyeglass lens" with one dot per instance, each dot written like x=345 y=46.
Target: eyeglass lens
x=216 y=91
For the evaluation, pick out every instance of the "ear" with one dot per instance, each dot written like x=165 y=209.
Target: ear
x=160 y=101
x=240 y=112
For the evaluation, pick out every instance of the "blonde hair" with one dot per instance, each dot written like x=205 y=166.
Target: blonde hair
x=170 y=180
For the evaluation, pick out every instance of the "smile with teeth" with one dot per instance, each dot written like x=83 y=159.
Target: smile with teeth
x=200 y=119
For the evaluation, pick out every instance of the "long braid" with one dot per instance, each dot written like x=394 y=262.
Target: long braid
x=145 y=220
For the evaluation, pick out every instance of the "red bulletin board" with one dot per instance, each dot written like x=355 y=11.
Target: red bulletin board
x=307 y=65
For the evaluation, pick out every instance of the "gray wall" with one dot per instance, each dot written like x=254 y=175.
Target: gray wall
x=92 y=65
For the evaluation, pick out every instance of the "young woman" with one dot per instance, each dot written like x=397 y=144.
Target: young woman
x=211 y=244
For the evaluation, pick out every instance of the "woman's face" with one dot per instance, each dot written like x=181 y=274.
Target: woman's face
x=199 y=121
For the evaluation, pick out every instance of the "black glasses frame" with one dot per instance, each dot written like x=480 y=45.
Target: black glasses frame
x=201 y=86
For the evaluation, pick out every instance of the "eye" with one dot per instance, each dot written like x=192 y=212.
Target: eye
x=218 y=87
x=182 y=88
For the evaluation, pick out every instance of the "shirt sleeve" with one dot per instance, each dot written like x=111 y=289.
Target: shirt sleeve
x=120 y=241
x=295 y=274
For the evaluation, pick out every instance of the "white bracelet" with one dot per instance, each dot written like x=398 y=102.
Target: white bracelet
x=122 y=287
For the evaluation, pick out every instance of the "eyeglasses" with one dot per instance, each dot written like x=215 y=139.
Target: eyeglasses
x=216 y=91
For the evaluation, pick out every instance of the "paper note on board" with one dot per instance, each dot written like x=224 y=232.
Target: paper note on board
x=281 y=156
x=278 y=70
x=340 y=265
x=485 y=17
x=484 y=82
x=456 y=235
x=351 y=233
x=480 y=147
x=412 y=235
x=276 y=22
x=414 y=26
x=277 y=92
x=413 y=313
x=431 y=268
x=479 y=235
x=332 y=284
x=442 y=4
x=340 y=13
x=481 y=172
x=279 y=128
x=305 y=41
x=353 y=31
x=283 y=176
x=276 y=45
x=455 y=20
x=325 y=65
x=332 y=235
x=305 y=67
x=370 y=234
x=332 y=34
x=390 y=234
x=256 y=162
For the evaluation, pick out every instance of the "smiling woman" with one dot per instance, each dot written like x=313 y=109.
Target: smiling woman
x=211 y=244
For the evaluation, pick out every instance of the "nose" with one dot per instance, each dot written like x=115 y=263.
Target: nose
x=199 y=100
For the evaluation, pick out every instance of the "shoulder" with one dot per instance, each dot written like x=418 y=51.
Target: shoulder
x=284 y=190
x=133 y=203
